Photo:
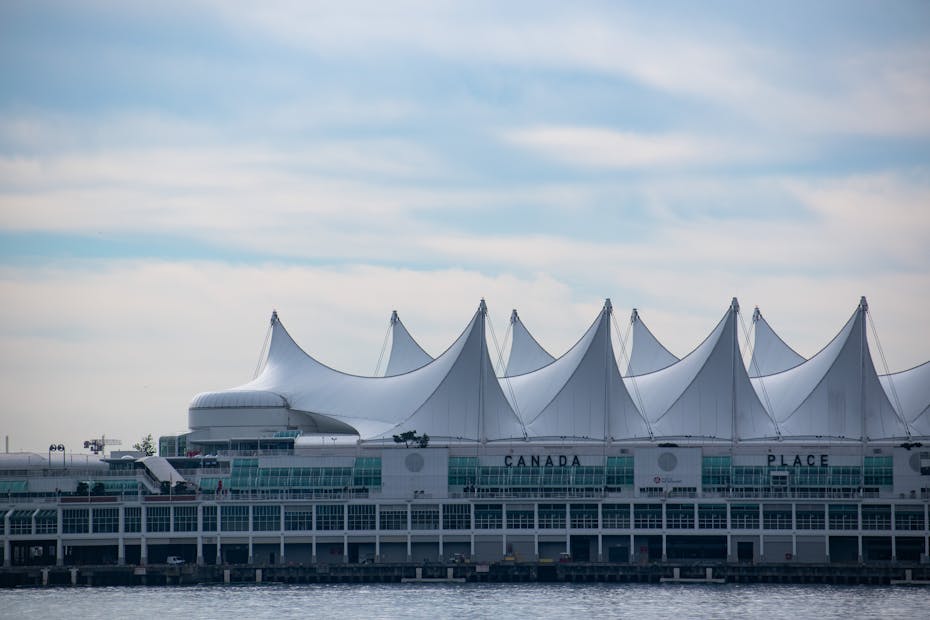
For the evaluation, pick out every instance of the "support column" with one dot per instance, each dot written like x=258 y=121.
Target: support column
x=632 y=550
x=121 y=540
x=761 y=534
x=200 y=561
x=219 y=528
x=281 y=554
x=313 y=548
x=345 y=548
x=59 y=548
x=894 y=545
x=143 y=528
x=409 y=529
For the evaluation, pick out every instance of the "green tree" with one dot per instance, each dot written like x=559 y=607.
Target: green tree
x=146 y=446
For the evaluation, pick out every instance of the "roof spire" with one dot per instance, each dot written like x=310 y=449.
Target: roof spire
x=635 y=316
x=734 y=305
x=608 y=307
x=513 y=316
x=394 y=318
x=483 y=307
x=274 y=316
x=756 y=315
x=863 y=304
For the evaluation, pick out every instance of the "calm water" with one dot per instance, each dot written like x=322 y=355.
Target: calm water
x=531 y=601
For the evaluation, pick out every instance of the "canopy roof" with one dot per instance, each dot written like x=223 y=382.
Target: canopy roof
x=526 y=355
x=835 y=394
x=909 y=392
x=406 y=354
x=770 y=354
x=579 y=395
x=646 y=352
x=706 y=394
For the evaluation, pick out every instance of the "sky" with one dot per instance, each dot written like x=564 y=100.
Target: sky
x=172 y=172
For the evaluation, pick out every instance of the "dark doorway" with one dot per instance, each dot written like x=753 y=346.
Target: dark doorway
x=744 y=552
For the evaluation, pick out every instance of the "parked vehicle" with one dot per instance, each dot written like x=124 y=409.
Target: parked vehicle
x=175 y=560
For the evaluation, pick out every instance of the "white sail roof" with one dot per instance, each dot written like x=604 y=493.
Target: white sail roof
x=406 y=354
x=704 y=393
x=581 y=394
x=833 y=393
x=770 y=354
x=468 y=403
x=526 y=354
x=443 y=388
x=909 y=392
x=646 y=353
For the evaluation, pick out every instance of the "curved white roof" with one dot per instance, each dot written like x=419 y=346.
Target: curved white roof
x=909 y=392
x=526 y=354
x=438 y=398
x=581 y=394
x=770 y=354
x=834 y=392
x=237 y=399
x=646 y=352
x=406 y=354
x=704 y=393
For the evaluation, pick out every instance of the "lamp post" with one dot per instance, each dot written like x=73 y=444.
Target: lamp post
x=60 y=447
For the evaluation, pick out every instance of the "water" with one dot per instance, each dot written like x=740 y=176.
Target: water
x=529 y=601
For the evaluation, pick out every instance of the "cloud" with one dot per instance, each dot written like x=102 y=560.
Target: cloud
x=606 y=148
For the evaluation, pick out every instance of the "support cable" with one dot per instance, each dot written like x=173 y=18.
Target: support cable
x=769 y=411
x=899 y=410
x=632 y=378
x=262 y=355
x=384 y=348
x=513 y=396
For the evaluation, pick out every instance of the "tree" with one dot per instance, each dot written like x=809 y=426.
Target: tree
x=409 y=437
x=146 y=446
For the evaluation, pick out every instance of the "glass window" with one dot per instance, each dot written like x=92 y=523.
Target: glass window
x=158 y=518
x=393 y=517
x=619 y=472
x=583 y=516
x=47 y=522
x=424 y=516
x=185 y=518
x=132 y=519
x=744 y=516
x=21 y=522
x=615 y=516
x=298 y=519
x=520 y=517
x=552 y=516
x=647 y=516
x=234 y=518
x=456 y=517
x=776 y=517
x=106 y=520
x=362 y=517
x=810 y=516
x=75 y=520
x=876 y=517
x=209 y=518
x=489 y=516
x=843 y=516
x=712 y=516
x=679 y=516
x=266 y=518
x=330 y=517
x=879 y=471
x=909 y=517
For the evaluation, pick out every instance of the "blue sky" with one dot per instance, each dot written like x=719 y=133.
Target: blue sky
x=171 y=172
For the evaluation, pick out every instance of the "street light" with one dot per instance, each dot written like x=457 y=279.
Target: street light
x=56 y=448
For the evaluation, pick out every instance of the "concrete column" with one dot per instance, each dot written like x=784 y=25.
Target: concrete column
x=143 y=551
x=632 y=550
x=568 y=524
x=7 y=551
x=281 y=549
x=121 y=541
x=313 y=548
x=377 y=534
x=377 y=547
x=90 y=519
x=251 y=528
x=472 y=552
x=250 y=548
x=894 y=548
x=200 y=561
x=345 y=548
x=59 y=550
x=794 y=546
x=409 y=529
x=664 y=548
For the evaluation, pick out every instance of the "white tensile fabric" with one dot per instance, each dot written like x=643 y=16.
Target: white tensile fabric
x=770 y=354
x=440 y=398
x=406 y=354
x=579 y=395
x=825 y=396
x=909 y=392
x=704 y=393
x=646 y=353
x=526 y=355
